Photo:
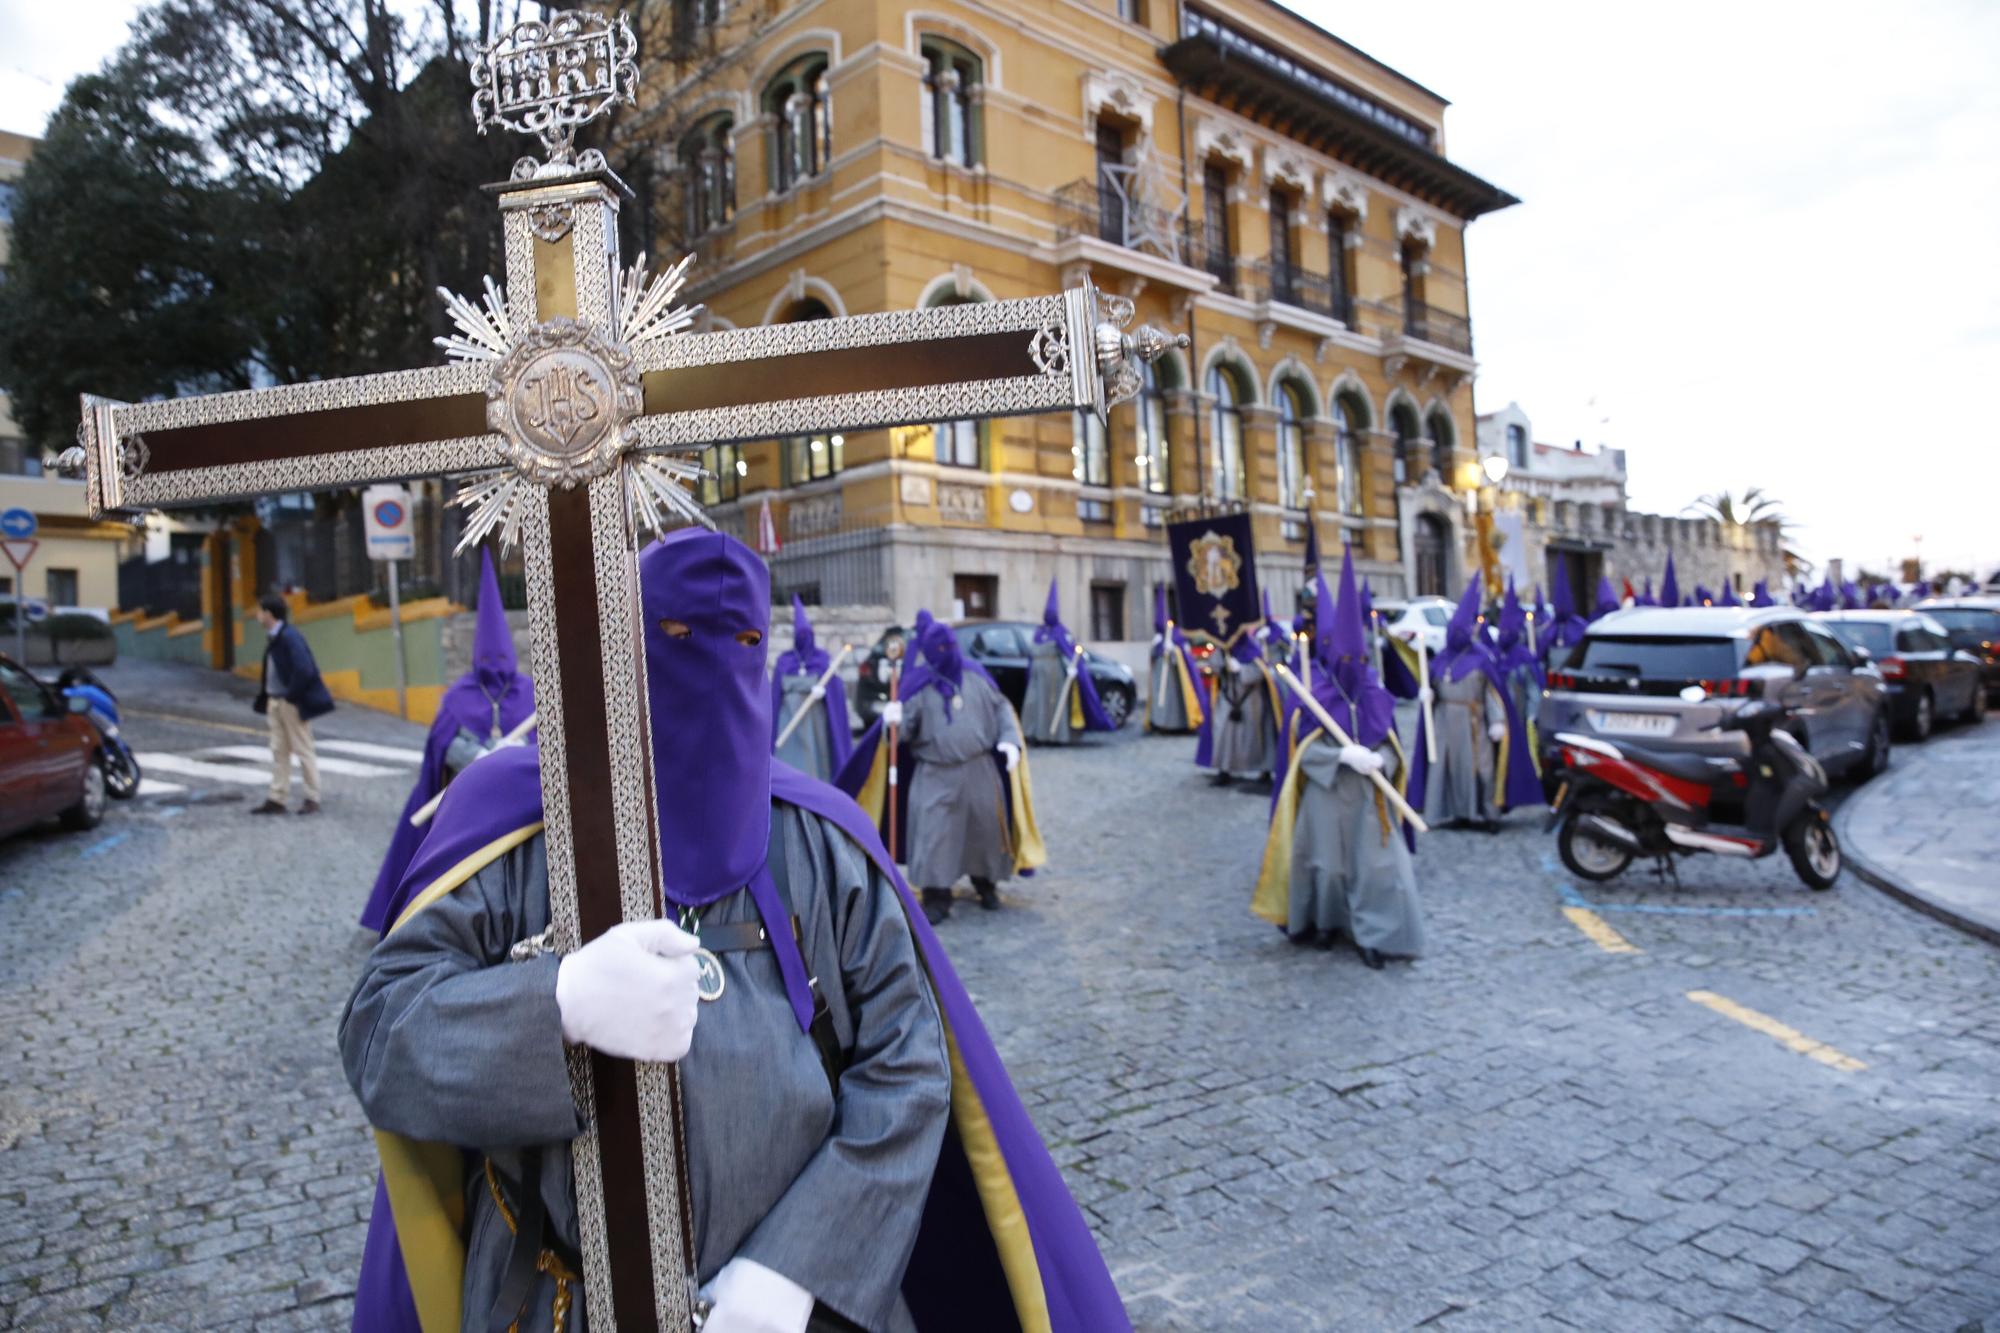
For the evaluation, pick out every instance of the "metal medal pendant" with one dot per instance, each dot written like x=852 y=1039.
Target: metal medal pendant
x=708 y=979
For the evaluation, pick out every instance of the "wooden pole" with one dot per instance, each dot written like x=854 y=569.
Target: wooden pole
x=423 y=816
x=1423 y=694
x=1388 y=788
x=1069 y=683
x=889 y=738
x=820 y=687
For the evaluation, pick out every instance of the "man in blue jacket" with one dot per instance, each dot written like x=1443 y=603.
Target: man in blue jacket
x=291 y=697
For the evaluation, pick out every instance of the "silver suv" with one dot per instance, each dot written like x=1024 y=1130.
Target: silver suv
x=1625 y=678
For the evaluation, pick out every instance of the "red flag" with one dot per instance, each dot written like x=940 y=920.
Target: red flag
x=767 y=530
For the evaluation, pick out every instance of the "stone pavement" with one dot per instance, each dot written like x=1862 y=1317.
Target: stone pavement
x=1522 y=1130
x=1929 y=829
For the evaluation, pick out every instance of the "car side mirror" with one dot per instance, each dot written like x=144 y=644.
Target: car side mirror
x=1861 y=654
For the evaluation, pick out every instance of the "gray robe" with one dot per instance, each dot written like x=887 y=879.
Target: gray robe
x=1050 y=688
x=810 y=747
x=1245 y=738
x=1166 y=707
x=1346 y=876
x=958 y=809
x=1460 y=784
x=446 y=1041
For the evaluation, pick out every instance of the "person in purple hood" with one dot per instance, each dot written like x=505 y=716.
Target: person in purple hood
x=1240 y=739
x=820 y=743
x=1485 y=761
x=1336 y=861
x=478 y=713
x=1061 y=700
x=855 y=1155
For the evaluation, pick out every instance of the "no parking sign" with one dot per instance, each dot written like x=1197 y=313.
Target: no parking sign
x=386 y=512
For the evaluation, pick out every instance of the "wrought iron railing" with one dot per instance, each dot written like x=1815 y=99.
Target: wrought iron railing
x=1440 y=328
x=1288 y=284
x=1096 y=207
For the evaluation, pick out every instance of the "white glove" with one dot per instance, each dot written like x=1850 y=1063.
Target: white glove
x=750 y=1298
x=892 y=714
x=1235 y=667
x=816 y=693
x=1497 y=732
x=1361 y=759
x=631 y=992
x=1425 y=694
x=1011 y=753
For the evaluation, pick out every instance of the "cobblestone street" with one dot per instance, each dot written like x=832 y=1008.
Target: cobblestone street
x=1732 y=1104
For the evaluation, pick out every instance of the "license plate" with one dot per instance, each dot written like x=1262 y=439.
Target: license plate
x=1637 y=724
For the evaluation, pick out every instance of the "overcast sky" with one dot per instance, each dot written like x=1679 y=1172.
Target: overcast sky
x=1757 y=245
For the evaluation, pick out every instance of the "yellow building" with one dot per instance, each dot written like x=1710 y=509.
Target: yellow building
x=1238 y=172
x=76 y=563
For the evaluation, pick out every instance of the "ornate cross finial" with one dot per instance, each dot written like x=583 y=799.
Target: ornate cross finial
x=548 y=76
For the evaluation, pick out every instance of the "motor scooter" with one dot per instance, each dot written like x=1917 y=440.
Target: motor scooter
x=120 y=765
x=1623 y=799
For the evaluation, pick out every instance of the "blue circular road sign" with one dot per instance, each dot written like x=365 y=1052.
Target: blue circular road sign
x=17 y=524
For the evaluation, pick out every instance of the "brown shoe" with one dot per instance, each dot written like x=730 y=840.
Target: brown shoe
x=309 y=808
x=269 y=807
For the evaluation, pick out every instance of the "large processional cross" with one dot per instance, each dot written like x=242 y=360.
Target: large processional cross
x=573 y=401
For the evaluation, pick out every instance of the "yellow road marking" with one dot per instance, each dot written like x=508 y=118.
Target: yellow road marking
x=1771 y=1027
x=1599 y=930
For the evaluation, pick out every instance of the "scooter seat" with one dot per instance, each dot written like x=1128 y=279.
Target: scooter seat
x=1685 y=764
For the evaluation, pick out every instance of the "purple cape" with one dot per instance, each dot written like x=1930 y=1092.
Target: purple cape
x=468 y=704
x=955 y=1267
x=1052 y=630
x=1519 y=786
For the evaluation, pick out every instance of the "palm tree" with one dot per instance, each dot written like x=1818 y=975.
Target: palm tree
x=1755 y=505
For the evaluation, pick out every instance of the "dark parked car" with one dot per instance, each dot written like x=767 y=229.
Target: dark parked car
x=1974 y=626
x=1925 y=677
x=1626 y=676
x=48 y=756
x=1001 y=646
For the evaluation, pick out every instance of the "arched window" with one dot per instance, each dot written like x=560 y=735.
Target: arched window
x=800 y=106
x=1439 y=430
x=1150 y=407
x=708 y=156
x=1403 y=421
x=950 y=74
x=1350 y=419
x=1291 y=447
x=1517 y=446
x=1226 y=432
x=1090 y=451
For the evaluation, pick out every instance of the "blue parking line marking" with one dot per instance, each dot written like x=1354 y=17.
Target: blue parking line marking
x=103 y=845
x=1571 y=898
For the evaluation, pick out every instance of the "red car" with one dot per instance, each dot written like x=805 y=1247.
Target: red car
x=47 y=757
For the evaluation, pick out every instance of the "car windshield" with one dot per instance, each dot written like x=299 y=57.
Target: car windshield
x=1969 y=626
x=1651 y=658
x=1870 y=634
x=1438 y=616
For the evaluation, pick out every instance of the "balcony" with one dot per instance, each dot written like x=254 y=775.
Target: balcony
x=1302 y=289
x=1098 y=222
x=1439 y=328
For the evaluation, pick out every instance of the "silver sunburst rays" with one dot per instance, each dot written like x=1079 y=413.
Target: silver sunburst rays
x=563 y=398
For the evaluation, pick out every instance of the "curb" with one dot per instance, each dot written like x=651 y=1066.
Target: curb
x=1901 y=890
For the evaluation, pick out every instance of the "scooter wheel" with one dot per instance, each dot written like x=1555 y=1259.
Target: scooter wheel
x=1589 y=857
x=1814 y=850
x=121 y=773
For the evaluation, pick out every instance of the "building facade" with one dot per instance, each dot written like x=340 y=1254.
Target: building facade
x=1237 y=172
x=1565 y=505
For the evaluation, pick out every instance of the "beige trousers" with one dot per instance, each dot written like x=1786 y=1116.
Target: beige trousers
x=290 y=735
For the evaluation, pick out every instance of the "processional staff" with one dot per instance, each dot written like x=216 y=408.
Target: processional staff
x=817 y=695
x=574 y=402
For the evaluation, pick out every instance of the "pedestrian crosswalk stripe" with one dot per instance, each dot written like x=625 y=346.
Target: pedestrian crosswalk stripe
x=345 y=767
x=401 y=754
x=186 y=767
x=154 y=787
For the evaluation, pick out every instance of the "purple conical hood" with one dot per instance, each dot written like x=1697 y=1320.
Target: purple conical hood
x=1052 y=626
x=493 y=660
x=1729 y=597
x=1541 y=607
x=1646 y=598
x=707 y=600
x=1565 y=605
x=1345 y=640
x=1465 y=620
x=938 y=646
x=1607 y=596
x=1513 y=619
x=1670 y=587
x=802 y=630
x=1052 y=609
x=1346 y=685
x=1760 y=595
